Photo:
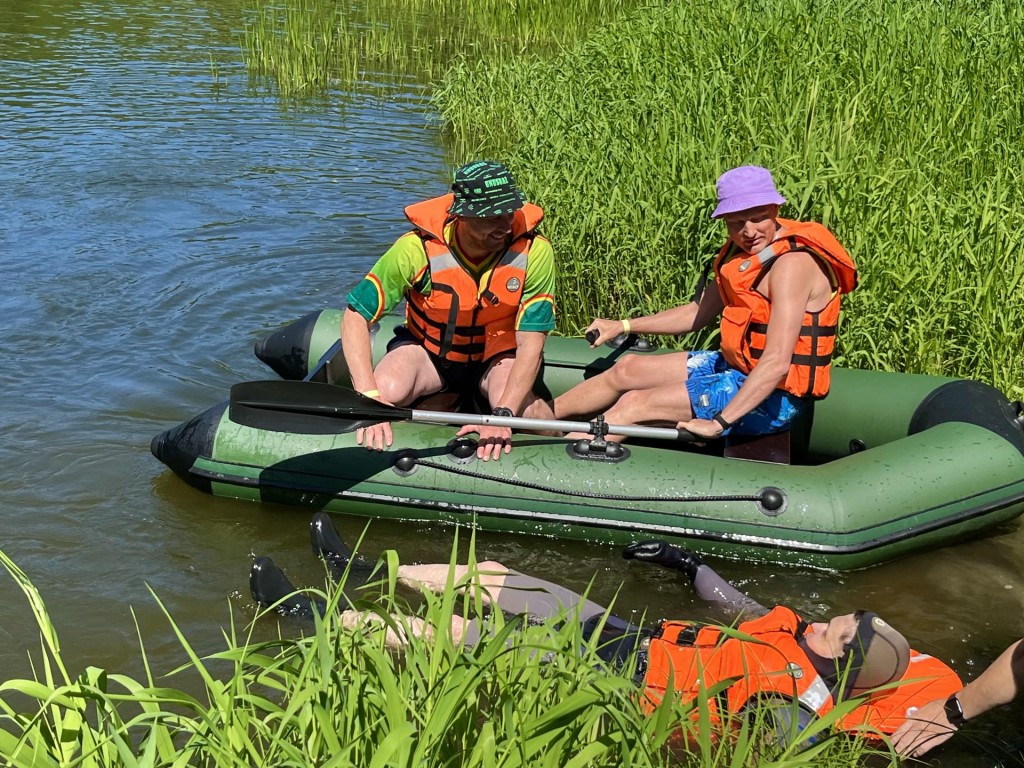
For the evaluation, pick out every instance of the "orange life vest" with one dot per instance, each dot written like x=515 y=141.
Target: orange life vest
x=736 y=672
x=745 y=318
x=459 y=320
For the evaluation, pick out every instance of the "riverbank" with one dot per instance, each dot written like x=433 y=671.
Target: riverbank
x=894 y=123
x=324 y=695
x=158 y=222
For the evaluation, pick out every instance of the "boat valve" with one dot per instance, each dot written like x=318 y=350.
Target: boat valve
x=772 y=501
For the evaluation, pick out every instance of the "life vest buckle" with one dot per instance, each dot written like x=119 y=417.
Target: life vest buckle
x=687 y=635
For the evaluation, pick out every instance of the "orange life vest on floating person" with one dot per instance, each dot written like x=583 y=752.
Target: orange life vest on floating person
x=745 y=318
x=737 y=673
x=459 y=320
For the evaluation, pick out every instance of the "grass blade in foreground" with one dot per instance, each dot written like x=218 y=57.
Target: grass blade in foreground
x=525 y=696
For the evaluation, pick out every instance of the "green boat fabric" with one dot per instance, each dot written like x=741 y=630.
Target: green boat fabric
x=886 y=465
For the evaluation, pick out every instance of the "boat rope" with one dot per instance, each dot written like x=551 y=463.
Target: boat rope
x=758 y=497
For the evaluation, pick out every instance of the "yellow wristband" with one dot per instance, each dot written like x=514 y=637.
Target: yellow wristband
x=625 y=326
x=371 y=393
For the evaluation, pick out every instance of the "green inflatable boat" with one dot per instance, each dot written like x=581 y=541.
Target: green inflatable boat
x=886 y=465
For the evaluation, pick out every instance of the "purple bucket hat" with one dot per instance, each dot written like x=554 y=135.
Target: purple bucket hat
x=749 y=186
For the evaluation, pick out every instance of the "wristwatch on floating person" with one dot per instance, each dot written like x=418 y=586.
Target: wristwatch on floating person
x=721 y=421
x=503 y=412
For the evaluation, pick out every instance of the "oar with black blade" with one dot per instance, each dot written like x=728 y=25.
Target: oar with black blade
x=313 y=408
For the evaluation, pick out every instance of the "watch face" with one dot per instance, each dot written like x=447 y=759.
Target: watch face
x=954 y=712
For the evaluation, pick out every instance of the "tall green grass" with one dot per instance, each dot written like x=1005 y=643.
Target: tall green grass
x=303 y=47
x=897 y=123
x=525 y=696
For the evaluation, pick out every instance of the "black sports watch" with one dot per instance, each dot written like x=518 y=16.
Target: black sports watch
x=954 y=712
x=504 y=412
x=721 y=420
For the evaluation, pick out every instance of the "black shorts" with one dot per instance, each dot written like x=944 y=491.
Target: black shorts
x=460 y=378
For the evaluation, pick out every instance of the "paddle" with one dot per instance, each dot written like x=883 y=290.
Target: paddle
x=314 y=408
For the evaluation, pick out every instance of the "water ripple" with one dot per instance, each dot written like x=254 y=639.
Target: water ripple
x=157 y=218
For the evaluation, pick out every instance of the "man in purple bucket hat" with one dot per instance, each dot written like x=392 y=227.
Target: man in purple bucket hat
x=777 y=289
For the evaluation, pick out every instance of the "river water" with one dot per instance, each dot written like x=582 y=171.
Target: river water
x=159 y=215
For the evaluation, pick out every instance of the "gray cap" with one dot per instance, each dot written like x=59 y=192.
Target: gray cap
x=881 y=655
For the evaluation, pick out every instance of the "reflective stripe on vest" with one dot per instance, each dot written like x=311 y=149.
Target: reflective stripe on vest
x=747 y=312
x=459 y=320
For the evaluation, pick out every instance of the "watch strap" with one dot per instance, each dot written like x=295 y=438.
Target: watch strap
x=504 y=412
x=721 y=420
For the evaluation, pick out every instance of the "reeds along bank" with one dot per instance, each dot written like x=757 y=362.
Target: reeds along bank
x=896 y=125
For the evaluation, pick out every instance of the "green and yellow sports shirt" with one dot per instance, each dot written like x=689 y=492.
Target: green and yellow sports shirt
x=403 y=268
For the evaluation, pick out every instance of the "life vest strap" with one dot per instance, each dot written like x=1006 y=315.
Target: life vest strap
x=466 y=330
x=805 y=330
x=809 y=360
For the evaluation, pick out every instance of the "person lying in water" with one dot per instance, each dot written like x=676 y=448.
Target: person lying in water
x=768 y=655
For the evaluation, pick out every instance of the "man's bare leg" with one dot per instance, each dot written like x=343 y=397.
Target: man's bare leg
x=508 y=590
x=406 y=374
x=408 y=626
x=496 y=377
x=663 y=406
x=489 y=575
x=632 y=372
x=403 y=375
x=499 y=586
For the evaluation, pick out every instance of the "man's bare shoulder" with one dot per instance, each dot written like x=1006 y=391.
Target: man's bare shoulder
x=800 y=276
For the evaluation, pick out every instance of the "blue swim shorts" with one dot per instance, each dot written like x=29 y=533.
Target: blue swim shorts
x=712 y=383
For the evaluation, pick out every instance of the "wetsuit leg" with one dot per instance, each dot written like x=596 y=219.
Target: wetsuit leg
x=526 y=594
x=522 y=594
x=724 y=596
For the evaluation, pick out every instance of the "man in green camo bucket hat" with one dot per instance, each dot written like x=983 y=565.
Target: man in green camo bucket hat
x=478 y=280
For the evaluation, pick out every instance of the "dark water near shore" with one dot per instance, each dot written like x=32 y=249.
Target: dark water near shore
x=158 y=216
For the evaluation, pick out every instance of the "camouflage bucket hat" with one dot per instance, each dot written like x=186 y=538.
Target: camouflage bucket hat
x=485 y=188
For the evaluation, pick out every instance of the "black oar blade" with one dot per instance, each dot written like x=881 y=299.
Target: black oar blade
x=306 y=407
x=295 y=422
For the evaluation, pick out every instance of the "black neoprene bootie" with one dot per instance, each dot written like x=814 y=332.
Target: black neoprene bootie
x=269 y=586
x=663 y=553
x=329 y=547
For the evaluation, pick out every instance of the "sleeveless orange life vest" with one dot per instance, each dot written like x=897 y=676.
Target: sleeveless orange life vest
x=458 y=320
x=745 y=318
x=736 y=672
